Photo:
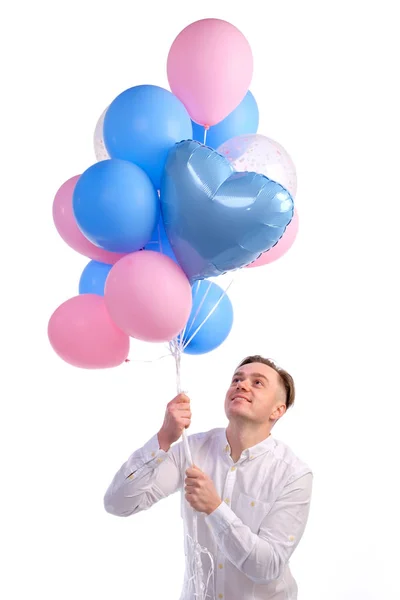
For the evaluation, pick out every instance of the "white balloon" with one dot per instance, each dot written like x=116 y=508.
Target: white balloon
x=98 y=139
x=259 y=154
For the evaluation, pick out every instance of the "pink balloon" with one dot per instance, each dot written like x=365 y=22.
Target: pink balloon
x=284 y=244
x=82 y=333
x=148 y=296
x=209 y=68
x=64 y=220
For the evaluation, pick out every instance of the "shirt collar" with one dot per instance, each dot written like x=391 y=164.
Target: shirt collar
x=250 y=453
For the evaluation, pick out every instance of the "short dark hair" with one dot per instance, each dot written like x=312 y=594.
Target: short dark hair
x=286 y=379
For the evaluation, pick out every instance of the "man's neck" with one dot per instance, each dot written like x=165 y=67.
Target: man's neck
x=241 y=437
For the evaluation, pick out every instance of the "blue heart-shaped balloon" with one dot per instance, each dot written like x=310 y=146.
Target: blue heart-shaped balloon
x=217 y=219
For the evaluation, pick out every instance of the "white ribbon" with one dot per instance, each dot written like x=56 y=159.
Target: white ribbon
x=193 y=561
x=194 y=584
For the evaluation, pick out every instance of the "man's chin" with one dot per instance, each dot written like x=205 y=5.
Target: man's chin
x=239 y=411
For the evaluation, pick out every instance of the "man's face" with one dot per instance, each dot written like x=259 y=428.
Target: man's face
x=254 y=394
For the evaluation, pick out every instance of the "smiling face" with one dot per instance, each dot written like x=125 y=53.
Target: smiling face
x=256 y=395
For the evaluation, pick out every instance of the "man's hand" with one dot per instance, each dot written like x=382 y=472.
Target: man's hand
x=200 y=491
x=177 y=417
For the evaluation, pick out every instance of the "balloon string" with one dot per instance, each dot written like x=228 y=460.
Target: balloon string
x=196 y=551
x=187 y=342
x=128 y=360
x=195 y=566
x=148 y=360
x=159 y=239
x=183 y=332
x=177 y=354
x=195 y=583
x=206 y=128
x=198 y=308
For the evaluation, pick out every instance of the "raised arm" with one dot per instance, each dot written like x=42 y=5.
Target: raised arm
x=152 y=472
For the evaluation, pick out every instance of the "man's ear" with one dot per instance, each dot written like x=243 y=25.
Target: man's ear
x=278 y=412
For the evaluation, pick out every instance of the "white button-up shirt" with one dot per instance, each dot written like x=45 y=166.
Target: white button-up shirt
x=266 y=500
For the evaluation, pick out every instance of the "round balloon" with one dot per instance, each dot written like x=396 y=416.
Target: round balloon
x=142 y=124
x=116 y=206
x=210 y=320
x=67 y=227
x=148 y=296
x=82 y=333
x=93 y=278
x=243 y=120
x=98 y=139
x=259 y=154
x=159 y=241
x=281 y=247
x=210 y=67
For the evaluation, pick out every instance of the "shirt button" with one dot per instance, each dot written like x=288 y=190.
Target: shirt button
x=251 y=457
x=222 y=566
x=233 y=468
x=227 y=500
x=252 y=503
x=220 y=595
x=131 y=476
x=226 y=448
x=153 y=453
x=159 y=460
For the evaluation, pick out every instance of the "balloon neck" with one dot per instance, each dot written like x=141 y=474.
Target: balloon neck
x=206 y=128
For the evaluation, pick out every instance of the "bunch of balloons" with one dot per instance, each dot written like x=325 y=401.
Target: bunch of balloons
x=183 y=189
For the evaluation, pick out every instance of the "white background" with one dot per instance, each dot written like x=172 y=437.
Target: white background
x=325 y=79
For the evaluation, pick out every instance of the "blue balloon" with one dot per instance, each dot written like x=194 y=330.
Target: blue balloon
x=243 y=120
x=116 y=206
x=209 y=300
x=159 y=242
x=93 y=278
x=142 y=124
x=217 y=219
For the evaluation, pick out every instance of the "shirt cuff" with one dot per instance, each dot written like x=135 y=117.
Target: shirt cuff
x=220 y=519
x=150 y=454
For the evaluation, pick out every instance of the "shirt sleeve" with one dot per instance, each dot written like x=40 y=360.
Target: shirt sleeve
x=148 y=475
x=263 y=557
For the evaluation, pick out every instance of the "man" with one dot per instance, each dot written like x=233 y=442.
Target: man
x=252 y=494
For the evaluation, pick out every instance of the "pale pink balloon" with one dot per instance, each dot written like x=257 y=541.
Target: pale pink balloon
x=82 y=333
x=284 y=244
x=209 y=68
x=64 y=220
x=148 y=296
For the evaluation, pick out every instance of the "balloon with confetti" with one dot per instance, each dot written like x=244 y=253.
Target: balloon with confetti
x=259 y=154
x=98 y=139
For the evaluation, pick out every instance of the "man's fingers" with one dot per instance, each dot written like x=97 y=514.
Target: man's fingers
x=194 y=470
x=182 y=398
x=190 y=482
x=183 y=410
x=194 y=473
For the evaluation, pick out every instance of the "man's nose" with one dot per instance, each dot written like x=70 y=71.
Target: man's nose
x=244 y=384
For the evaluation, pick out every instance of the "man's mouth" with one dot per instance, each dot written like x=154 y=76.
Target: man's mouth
x=237 y=397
